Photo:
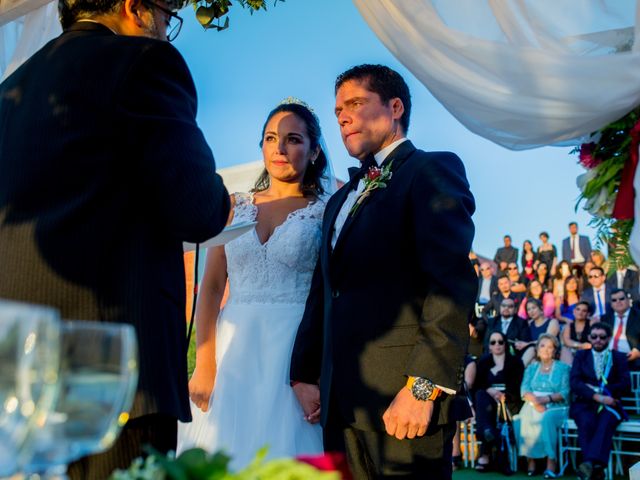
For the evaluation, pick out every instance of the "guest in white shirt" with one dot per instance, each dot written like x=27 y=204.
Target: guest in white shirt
x=625 y=327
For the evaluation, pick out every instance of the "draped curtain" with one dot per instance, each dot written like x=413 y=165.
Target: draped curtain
x=521 y=73
x=24 y=36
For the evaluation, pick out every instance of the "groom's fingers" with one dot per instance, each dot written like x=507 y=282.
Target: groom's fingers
x=390 y=423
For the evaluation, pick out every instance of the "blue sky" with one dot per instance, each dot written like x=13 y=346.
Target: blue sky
x=298 y=48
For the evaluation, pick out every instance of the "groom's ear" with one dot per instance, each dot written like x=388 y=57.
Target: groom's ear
x=397 y=108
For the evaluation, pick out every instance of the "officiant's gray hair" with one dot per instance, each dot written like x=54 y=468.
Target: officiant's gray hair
x=70 y=11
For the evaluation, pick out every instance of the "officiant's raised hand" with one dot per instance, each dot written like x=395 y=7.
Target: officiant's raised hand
x=201 y=386
x=308 y=395
x=407 y=417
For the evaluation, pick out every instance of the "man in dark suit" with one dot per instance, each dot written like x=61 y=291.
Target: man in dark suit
x=516 y=329
x=627 y=279
x=104 y=174
x=625 y=325
x=576 y=249
x=599 y=378
x=597 y=295
x=505 y=255
x=385 y=326
x=504 y=291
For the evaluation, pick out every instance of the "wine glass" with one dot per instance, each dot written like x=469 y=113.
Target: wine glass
x=98 y=378
x=29 y=348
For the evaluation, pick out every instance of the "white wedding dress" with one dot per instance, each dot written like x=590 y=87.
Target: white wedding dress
x=252 y=404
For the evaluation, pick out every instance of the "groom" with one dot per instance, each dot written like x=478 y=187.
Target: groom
x=381 y=343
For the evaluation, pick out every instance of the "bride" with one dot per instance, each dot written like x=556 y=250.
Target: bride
x=240 y=392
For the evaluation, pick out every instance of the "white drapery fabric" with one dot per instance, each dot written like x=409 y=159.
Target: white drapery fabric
x=23 y=37
x=522 y=73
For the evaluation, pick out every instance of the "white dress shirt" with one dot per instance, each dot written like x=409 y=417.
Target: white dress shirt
x=577 y=254
x=623 y=341
x=353 y=194
x=485 y=290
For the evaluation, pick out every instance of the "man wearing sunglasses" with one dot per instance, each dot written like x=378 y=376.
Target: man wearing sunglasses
x=598 y=295
x=625 y=325
x=104 y=174
x=599 y=378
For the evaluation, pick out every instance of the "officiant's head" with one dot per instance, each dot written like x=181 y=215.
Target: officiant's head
x=291 y=148
x=143 y=18
x=373 y=107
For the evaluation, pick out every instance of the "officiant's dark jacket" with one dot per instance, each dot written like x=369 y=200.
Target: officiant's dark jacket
x=103 y=174
x=394 y=296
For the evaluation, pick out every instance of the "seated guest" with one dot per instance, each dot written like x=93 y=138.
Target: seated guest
x=542 y=275
x=568 y=300
x=562 y=272
x=492 y=308
x=518 y=281
x=545 y=391
x=625 y=325
x=596 y=293
x=513 y=327
x=539 y=324
x=498 y=378
x=599 y=378
x=626 y=278
x=575 y=336
x=487 y=284
x=536 y=290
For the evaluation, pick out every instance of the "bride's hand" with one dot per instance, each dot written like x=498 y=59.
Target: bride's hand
x=201 y=386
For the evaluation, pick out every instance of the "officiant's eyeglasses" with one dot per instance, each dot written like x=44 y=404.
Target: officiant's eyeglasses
x=174 y=21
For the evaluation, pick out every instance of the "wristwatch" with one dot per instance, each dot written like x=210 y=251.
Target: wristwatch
x=422 y=389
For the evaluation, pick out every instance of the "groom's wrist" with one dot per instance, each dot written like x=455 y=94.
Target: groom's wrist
x=423 y=389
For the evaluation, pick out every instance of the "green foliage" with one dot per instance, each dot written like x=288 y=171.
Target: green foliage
x=600 y=187
x=196 y=464
x=210 y=12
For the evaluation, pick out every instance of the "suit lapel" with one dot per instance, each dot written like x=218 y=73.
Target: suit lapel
x=398 y=156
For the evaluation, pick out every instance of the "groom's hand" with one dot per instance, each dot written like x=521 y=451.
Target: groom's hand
x=407 y=417
x=308 y=395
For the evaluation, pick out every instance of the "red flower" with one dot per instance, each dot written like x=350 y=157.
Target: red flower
x=587 y=158
x=373 y=173
x=329 y=462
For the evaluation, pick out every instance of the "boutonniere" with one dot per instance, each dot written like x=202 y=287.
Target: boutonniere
x=374 y=179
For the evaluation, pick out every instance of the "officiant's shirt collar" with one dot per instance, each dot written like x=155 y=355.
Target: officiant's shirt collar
x=384 y=153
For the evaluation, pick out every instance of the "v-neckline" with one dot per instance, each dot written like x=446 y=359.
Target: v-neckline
x=252 y=199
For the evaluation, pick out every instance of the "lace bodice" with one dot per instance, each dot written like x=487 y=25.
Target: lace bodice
x=280 y=270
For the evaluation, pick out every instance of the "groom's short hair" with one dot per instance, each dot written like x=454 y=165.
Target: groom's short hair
x=384 y=81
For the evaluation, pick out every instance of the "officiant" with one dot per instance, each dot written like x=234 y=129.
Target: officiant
x=104 y=174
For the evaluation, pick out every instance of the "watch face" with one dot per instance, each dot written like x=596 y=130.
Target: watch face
x=422 y=389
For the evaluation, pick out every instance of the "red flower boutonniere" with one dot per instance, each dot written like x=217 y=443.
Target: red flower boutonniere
x=374 y=179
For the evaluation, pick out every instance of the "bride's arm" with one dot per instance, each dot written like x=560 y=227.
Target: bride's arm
x=207 y=309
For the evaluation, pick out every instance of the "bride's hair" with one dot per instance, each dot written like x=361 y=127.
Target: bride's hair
x=311 y=182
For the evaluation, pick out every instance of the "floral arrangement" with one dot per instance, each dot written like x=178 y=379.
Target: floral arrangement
x=196 y=464
x=210 y=12
x=374 y=179
x=607 y=186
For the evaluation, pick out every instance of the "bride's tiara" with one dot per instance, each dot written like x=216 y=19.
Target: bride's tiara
x=302 y=103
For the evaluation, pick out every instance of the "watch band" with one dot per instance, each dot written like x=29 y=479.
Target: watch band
x=435 y=392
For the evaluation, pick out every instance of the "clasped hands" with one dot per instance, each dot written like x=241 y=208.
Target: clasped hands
x=405 y=417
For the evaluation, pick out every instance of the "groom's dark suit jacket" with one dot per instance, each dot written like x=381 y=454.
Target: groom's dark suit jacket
x=394 y=296
x=103 y=174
